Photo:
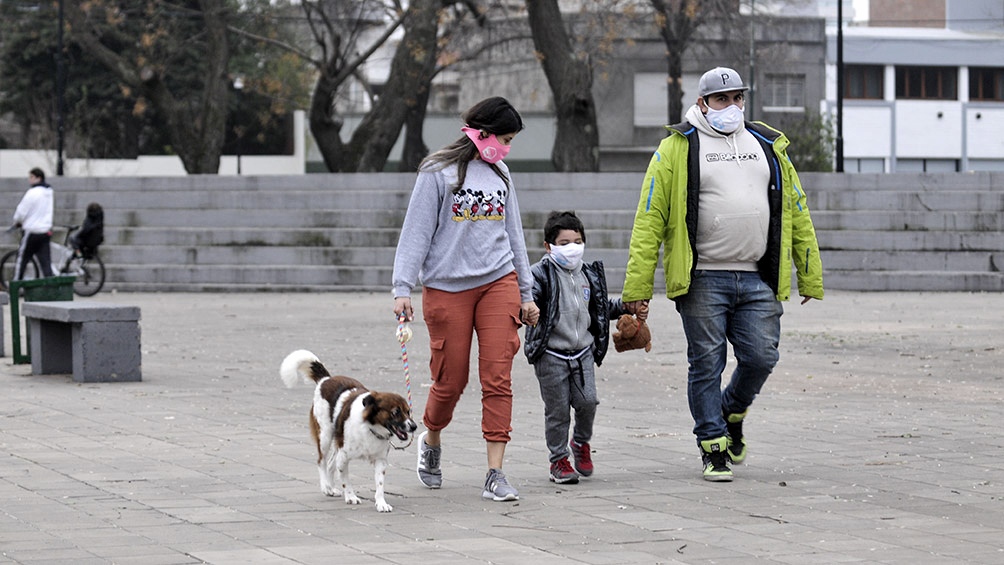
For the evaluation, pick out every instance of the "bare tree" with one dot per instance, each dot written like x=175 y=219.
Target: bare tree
x=149 y=47
x=406 y=91
x=678 y=22
x=337 y=31
x=576 y=143
x=336 y=28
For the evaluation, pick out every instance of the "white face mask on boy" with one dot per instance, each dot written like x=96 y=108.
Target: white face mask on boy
x=568 y=256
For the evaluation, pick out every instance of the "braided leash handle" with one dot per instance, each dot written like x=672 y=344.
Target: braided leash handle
x=403 y=336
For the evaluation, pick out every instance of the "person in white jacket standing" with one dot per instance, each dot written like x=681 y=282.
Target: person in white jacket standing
x=34 y=216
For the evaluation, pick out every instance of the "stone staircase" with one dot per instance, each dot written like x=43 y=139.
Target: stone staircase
x=338 y=232
x=929 y=232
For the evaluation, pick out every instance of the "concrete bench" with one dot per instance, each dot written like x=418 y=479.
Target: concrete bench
x=96 y=342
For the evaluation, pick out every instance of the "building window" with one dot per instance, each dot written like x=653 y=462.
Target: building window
x=864 y=82
x=927 y=166
x=986 y=83
x=784 y=92
x=927 y=83
x=650 y=94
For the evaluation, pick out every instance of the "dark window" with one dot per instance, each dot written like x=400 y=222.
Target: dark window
x=784 y=91
x=864 y=81
x=986 y=83
x=933 y=83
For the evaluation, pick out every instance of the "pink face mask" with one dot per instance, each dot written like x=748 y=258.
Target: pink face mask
x=490 y=148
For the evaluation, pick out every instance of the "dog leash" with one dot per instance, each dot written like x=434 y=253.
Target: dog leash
x=403 y=336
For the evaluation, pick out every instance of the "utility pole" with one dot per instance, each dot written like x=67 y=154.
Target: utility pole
x=750 y=101
x=840 y=86
x=60 y=94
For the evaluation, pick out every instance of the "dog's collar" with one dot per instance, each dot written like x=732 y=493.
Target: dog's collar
x=390 y=436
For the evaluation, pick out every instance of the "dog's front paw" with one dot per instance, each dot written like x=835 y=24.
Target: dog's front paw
x=351 y=498
x=330 y=491
x=382 y=506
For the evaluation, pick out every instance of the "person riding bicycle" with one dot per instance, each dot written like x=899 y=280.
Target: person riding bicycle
x=91 y=234
x=34 y=216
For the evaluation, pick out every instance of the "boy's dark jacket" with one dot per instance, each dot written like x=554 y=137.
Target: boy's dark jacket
x=601 y=309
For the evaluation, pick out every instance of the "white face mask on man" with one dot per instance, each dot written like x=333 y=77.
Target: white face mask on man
x=726 y=120
x=568 y=256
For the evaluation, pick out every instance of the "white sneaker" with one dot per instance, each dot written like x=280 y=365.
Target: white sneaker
x=428 y=463
x=498 y=488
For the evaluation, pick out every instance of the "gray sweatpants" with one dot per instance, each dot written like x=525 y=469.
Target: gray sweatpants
x=566 y=384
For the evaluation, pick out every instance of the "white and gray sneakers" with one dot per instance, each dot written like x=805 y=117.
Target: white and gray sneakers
x=428 y=463
x=498 y=488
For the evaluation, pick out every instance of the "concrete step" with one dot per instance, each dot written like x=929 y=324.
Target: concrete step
x=120 y=276
x=919 y=182
x=309 y=216
x=312 y=232
x=876 y=240
x=292 y=257
x=529 y=199
x=942 y=281
x=908 y=221
x=912 y=201
x=240 y=255
x=253 y=236
x=220 y=278
x=310 y=237
x=928 y=261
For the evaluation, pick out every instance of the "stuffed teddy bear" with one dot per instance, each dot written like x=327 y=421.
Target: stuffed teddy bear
x=632 y=334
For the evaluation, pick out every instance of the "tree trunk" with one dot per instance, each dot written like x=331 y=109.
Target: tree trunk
x=407 y=87
x=674 y=83
x=210 y=122
x=577 y=141
x=196 y=130
x=325 y=124
x=415 y=148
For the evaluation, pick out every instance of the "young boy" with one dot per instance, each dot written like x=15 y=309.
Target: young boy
x=572 y=334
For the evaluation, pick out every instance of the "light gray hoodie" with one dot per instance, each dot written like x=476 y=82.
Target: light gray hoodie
x=570 y=331
x=734 y=211
x=463 y=240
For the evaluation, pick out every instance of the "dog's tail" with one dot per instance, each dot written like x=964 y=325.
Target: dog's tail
x=301 y=364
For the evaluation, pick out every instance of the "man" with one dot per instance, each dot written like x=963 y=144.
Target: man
x=722 y=197
x=34 y=216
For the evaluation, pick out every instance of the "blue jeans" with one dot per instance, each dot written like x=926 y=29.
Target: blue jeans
x=738 y=307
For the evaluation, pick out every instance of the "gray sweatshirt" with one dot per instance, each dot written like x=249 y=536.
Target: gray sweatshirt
x=734 y=210
x=571 y=323
x=455 y=242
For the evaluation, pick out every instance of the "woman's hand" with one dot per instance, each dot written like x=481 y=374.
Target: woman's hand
x=529 y=313
x=403 y=304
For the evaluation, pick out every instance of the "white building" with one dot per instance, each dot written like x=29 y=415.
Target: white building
x=925 y=91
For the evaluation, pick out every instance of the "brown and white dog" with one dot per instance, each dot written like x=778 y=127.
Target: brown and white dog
x=347 y=422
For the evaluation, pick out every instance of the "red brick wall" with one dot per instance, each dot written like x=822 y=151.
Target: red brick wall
x=906 y=13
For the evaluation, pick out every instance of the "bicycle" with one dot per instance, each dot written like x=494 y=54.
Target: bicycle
x=66 y=260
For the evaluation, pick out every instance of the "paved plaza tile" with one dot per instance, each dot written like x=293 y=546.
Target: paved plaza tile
x=876 y=440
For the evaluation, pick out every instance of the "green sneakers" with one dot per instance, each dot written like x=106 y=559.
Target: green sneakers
x=714 y=453
x=737 y=445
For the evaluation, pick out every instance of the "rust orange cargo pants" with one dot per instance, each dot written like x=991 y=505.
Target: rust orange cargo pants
x=452 y=318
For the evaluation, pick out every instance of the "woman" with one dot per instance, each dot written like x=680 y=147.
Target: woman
x=462 y=235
